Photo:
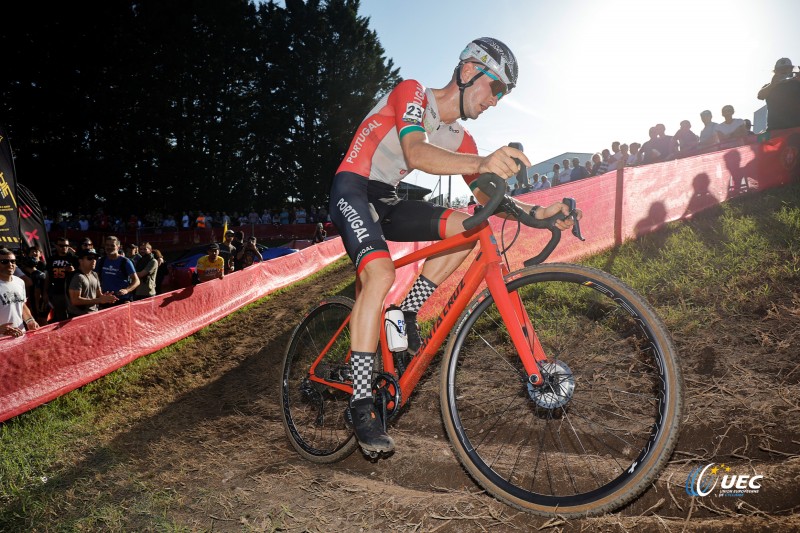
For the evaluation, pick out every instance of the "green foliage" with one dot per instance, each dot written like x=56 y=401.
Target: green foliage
x=195 y=104
x=726 y=261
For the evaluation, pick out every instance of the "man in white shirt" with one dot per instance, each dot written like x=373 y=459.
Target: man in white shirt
x=615 y=155
x=564 y=175
x=15 y=317
x=545 y=183
x=730 y=128
x=708 y=136
x=633 y=157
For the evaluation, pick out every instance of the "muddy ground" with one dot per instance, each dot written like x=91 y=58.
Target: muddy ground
x=206 y=450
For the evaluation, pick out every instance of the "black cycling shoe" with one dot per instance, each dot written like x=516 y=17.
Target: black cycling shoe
x=412 y=332
x=368 y=427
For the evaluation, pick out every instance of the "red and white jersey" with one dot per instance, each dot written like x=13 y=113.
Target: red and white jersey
x=375 y=151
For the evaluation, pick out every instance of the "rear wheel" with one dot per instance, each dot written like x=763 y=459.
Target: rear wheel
x=313 y=412
x=604 y=423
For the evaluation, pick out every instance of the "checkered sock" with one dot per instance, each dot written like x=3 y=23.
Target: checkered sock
x=361 y=363
x=418 y=295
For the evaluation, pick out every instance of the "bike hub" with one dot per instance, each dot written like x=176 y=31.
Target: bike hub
x=556 y=388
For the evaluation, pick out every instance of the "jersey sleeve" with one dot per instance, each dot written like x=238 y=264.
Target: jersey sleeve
x=408 y=100
x=468 y=146
x=202 y=264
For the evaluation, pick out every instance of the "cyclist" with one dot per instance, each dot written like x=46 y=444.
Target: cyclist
x=414 y=127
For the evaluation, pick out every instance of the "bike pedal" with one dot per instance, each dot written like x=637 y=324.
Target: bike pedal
x=374 y=455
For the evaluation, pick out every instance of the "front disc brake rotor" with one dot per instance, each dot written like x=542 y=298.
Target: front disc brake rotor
x=557 y=386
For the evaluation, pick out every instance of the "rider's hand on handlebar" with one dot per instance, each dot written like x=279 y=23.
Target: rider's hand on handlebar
x=558 y=207
x=501 y=162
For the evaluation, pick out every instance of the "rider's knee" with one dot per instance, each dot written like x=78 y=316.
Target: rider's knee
x=455 y=223
x=378 y=274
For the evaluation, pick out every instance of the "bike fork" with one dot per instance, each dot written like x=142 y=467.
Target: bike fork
x=516 y=319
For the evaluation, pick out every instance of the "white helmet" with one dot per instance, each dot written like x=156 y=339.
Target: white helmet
x=495 y=55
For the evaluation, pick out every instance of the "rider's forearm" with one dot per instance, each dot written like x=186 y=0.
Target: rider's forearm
x=78 y=300
x=434 y=160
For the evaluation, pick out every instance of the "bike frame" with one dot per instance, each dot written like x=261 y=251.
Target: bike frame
x=487 y=266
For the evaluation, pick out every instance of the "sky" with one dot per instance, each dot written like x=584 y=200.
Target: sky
x=591 y=71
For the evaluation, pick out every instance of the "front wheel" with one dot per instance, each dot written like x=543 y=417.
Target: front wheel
x=604 y=423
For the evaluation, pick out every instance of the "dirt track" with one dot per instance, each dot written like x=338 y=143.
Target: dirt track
x=207 y=437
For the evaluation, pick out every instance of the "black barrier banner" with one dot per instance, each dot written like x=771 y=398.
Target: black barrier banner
x=9 y=219
x=31 y=220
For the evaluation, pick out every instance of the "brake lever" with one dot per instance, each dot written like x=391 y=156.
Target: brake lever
x=576 y=227
x=555 y=234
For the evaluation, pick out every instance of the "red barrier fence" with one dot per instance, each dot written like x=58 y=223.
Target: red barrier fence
x=60 y=357
x=617 y=206
x=623 y=204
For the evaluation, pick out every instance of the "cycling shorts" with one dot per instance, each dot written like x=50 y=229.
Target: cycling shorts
x=368 y=212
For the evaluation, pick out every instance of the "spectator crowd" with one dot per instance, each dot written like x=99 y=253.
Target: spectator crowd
x=74 y=281
x=65 y=219
x=782 y=96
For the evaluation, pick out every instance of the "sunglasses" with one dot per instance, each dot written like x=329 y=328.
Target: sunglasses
x=8 y=261
x=63 y=245
x=499 y=89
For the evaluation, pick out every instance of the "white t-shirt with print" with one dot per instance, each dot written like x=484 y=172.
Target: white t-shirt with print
x=12 y=298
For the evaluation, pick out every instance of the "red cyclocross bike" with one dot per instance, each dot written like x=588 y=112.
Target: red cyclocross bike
x=560 y=386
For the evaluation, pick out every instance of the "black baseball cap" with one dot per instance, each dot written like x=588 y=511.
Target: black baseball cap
x=88 y=252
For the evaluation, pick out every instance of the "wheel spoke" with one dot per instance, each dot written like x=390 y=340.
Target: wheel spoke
x=503 y=359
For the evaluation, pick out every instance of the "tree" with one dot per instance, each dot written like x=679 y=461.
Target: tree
x=187 y=104
x=332 y=72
